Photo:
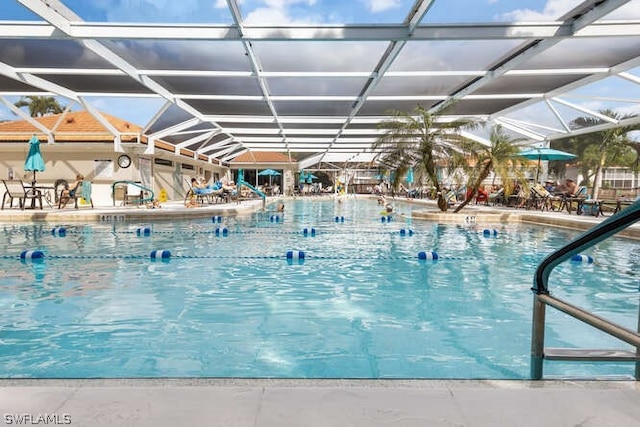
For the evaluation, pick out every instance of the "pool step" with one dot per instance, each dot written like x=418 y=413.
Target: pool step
x=593 y=355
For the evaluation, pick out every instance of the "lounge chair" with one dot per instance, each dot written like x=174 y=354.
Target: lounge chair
x=82 y=192
x=15 y=189
x=202 y=195
x=497 y=198
x=539 y=198
x=577 y=198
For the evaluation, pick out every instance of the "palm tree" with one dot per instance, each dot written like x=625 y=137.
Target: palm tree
x=417 y=141
x=605 y=147
x=501 y=156
x=40 y=105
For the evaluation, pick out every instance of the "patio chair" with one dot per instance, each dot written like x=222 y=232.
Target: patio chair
x=15 y=189
x=481 y=196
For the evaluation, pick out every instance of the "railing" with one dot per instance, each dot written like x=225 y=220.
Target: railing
x=242 y=182
x=138 y=200
x=541 y=299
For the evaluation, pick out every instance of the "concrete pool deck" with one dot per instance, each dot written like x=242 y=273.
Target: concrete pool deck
x=265 y=402
x=334 y=403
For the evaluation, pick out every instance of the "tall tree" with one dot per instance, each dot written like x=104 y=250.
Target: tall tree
x=597 y=150
x=501 y=157
x=40 y=105
x=417 y=140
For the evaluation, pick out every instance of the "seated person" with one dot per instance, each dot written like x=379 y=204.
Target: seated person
x=71 y=191
x=155 y=204
x=228 y=186
x=197 y=186
x=570 y=187
x=521 y=195
x=201 y=188
x=192 y=202
x=550 y=186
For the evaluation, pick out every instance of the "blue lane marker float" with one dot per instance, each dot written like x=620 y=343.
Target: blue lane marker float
x=160 y=255
x=307 y=232
x=428 y=255
x=59 y=231
x=582 y=259
x=339 y=219
x=275 y=218
x=489 y=233
x=34 y=256
x=406 y=232
x=216 y=218
x=222 y=232
x=143 y=231
x=294 y=256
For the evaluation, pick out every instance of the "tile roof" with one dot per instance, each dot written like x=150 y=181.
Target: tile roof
x=74 y=126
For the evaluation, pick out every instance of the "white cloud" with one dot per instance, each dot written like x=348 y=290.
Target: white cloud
x=268 y=16
x=376 y=6
x=551 y=11
x=556 y=8
x=281 y=4
x=276 y=12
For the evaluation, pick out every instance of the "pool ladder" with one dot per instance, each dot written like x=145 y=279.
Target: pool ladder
x=542 y=298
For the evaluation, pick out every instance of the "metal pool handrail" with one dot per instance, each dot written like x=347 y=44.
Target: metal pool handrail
x=134 y=183
x=602 y=231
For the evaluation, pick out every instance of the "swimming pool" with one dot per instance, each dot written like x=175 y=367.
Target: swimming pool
x=228 y=303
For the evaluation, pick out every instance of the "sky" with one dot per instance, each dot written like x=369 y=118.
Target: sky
x=273 y=12
x=298 y=12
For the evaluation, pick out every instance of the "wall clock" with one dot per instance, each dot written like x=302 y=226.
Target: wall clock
x=124 y=161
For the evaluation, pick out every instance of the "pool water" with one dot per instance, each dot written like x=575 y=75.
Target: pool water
x=228 y=303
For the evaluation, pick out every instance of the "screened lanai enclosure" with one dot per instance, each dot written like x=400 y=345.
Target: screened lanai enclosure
x=312 y=79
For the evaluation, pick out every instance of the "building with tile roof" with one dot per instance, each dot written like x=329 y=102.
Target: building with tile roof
x=77 y=142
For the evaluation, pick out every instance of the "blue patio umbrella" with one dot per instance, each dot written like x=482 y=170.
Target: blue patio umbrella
x=310 y=178
x=542 y=153
x=269 y=173
x=34 y=162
